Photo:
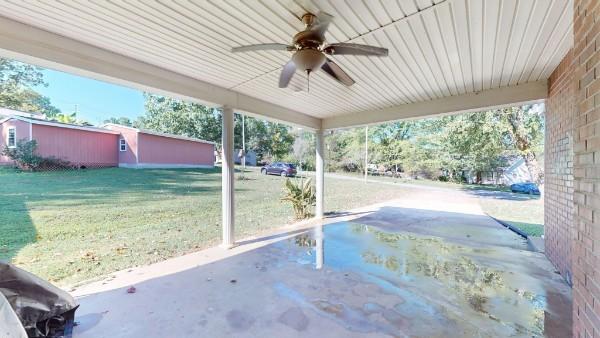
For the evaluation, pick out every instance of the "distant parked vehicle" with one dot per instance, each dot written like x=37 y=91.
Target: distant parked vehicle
x=525 y=188
x=279 y=168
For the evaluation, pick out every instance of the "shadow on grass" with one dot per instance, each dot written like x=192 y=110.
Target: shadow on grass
x=487 y=187
x=81 y=187
x=16 y=227
x=502 y=195
x=22 y=191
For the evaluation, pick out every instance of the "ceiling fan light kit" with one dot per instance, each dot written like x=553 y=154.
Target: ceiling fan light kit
x=311 y=51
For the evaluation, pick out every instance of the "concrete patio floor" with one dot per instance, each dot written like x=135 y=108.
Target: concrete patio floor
x=429 y=265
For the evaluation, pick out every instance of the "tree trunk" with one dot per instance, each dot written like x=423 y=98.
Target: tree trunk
x=533 y=167
x=516 y=121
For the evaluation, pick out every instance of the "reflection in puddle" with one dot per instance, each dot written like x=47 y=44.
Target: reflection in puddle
x=444 y=281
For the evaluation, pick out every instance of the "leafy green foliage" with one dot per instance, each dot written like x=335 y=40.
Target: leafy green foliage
x=124 y=121
x=447 y=146
x=303 y=151
x=170 y=115
x=525 y=132
x=301 y=195
x=271 y=141
x=17 y=81
x=24 y=154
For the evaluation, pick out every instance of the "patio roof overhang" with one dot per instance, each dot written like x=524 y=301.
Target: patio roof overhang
x=446 y=56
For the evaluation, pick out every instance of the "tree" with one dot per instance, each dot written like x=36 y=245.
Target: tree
x=390 y=143
x=450 y=145
x=268 y=139
x=473 y=142
x=70 y=119
x=345 y=149
x=124 y=121
x=525 y=131
x=66 y=118
x=304 y=150
x=168 y=115
x=17 y=81
x=391 y=154
x=387 y=132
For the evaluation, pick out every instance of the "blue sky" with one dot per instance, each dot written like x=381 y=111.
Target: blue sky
x=96 y=100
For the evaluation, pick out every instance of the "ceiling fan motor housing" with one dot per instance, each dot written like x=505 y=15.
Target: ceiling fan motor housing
x=309 y=59
x=311 y=51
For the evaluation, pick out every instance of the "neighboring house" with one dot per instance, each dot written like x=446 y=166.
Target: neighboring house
x=109 y=146
x=515 y=172
x=5 y=112
x=139 y=148
x=82 y=146
x=250 y=157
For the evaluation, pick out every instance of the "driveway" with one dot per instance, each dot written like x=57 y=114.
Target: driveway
x=429 y=264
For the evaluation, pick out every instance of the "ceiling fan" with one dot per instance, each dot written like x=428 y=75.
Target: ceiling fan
x=311 y=51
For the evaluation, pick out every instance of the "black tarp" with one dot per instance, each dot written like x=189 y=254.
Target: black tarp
x=43 y=309
x=10 y=326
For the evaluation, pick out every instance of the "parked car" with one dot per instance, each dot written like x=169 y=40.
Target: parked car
x=525 y=188
x=279 y=168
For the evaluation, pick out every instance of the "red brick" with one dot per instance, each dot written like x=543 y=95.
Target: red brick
x=584 y=229
x=587 y=78
x=587 y=52
x=561 y=139
x=586 y=105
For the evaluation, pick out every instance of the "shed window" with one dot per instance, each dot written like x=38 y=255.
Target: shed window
x=12 y=137
x=122 y=145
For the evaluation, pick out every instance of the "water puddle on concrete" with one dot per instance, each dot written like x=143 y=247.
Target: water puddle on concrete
x=404 y=284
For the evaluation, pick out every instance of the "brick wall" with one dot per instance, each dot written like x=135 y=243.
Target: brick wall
x=558 y=187
x=585 y=252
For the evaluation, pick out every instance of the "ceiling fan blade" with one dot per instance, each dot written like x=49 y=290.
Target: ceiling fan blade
x=262 y=46
x=337 y=73
x=354 y=49
x=323 y=21
x=286 y=74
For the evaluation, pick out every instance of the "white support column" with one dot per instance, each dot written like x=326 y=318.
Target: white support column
x=320 y=174
x=243 y=159
x=227 y=178
x=366 y=153
x=319 y=249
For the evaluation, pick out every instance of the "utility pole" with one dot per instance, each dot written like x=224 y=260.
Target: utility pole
x=366 y=153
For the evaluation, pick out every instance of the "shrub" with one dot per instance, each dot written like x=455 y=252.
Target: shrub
x=301 y=195
x=24 y=155
x=53 y=163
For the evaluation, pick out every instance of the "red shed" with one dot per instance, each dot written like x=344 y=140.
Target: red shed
x=139 y=148
x=81 y=145
x=110 y=146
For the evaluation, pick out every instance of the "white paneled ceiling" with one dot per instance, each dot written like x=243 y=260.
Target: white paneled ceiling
x=437 y=48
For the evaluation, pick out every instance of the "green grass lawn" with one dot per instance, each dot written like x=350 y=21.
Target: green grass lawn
x=524 y=211
x=77 y=225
